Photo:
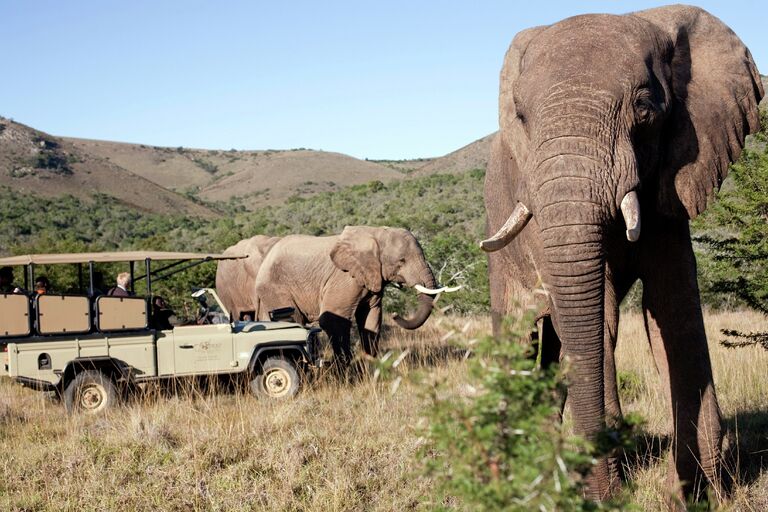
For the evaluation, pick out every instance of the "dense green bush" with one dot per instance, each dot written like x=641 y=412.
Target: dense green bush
x=497 y=444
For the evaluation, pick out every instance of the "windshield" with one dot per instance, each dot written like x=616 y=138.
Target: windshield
x=210 y=311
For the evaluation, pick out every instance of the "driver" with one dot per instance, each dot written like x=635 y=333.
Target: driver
x=202 y=312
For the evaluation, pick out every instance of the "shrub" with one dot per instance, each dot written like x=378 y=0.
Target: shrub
x=498 y=445
x=205 y=165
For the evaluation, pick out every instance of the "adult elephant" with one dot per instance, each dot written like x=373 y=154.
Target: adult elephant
x=236 y=279
x=335 y=280
x=606 y=120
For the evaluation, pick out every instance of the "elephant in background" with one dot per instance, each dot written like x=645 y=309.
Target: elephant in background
x=335 y=280
x=236 y=279
x=606 y=121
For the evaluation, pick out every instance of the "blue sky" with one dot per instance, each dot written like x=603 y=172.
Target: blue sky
x=396 y=79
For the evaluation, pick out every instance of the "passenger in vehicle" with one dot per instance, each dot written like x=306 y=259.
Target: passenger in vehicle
x=123 y=282
x=42 y=285
x=98 y=284
x=6 y=281
x=161 y=314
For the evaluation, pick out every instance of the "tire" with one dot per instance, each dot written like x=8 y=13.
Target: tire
x=90 y=392
x=277 y=379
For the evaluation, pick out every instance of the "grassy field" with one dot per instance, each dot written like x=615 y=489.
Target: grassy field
x=337 y=446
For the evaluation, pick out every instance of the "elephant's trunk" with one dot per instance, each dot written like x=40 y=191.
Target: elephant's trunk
x=426 y=279
x=573 y=215
x=575 y=273
x=574 y=170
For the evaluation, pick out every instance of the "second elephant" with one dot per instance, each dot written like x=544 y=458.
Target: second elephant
x=335 y=280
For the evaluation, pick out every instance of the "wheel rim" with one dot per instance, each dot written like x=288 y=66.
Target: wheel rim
x=92 y=397
x=277 y=382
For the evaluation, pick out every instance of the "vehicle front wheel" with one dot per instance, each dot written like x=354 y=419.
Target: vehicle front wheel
x=90 y=392
x=277 y=378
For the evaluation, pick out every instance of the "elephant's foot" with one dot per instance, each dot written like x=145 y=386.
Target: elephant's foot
x=699 y=486
x=674 y=497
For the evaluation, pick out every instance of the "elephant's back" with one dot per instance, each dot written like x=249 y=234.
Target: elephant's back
x=298 y=258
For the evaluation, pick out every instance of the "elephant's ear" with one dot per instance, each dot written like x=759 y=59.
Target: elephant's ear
x=357 y=252
x=715 y=92
x=512 y=130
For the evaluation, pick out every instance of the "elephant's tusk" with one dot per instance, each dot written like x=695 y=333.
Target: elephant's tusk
x=630 y=209
x=430 y=291
x=514 y=225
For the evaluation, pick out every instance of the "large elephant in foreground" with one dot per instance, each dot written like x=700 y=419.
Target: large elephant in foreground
x=335 y=280
x=606 y=121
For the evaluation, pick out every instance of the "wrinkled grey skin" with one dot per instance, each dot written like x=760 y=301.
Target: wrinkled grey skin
x=591 y=108
x=236 y=279
x=334 y=280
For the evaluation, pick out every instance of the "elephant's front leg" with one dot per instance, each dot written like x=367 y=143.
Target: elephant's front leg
x=613 y=413
x=675 y=328
x=337 y=328
x=337 y=309
x=368 y=318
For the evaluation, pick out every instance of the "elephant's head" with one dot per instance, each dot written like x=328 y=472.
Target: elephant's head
x=605 y=121
x=377 y=256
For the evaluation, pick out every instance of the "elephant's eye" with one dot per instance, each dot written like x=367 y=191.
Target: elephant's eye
x=644 y=108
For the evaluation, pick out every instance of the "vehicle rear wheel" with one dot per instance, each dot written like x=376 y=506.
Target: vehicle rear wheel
x=277 y=379
x=90 y=392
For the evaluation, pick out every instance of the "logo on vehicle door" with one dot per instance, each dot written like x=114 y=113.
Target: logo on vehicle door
x=207 y=345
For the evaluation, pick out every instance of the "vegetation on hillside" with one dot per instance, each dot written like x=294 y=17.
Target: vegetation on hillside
x=445 y=212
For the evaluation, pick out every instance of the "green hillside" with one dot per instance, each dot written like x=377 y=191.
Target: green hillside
x=445 y=212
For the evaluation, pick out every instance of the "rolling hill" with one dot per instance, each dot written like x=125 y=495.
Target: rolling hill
x=254 y=178
x=471 y=156
x=35 y=162
x=191 y=181
x=268 y=177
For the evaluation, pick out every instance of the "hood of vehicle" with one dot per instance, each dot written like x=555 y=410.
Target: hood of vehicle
x=263 y=326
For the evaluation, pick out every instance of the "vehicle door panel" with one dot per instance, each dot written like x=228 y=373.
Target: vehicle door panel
x=203 y=349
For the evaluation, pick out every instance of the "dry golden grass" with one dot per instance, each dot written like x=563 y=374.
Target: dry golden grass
x=741 y=379
x=335 y=447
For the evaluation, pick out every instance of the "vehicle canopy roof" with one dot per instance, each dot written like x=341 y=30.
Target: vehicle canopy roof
x=111 y=257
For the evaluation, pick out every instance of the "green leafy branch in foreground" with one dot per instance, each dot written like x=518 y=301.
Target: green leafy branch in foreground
x=498 y=443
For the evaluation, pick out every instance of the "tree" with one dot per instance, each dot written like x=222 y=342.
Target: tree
x=736 y=240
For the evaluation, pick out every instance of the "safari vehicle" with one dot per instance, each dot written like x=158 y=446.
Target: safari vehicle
x=90 y=347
